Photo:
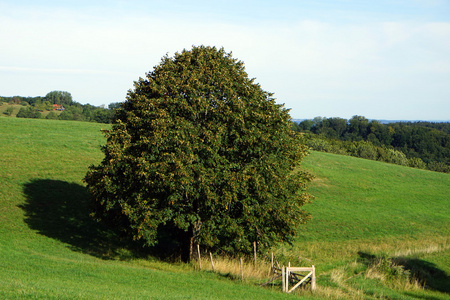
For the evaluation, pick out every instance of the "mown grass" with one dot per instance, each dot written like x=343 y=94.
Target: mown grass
x=50 y=248
x=379 y=231
x=358 y=199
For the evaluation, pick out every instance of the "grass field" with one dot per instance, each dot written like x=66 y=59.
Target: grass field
x=379 y=231
x=366 y=211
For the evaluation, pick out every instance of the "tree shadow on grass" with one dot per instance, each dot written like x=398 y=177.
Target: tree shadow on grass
x=425 y=272
x=60 y=210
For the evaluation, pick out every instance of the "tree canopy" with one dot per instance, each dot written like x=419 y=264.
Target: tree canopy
x=199 y=153
x=59 y=97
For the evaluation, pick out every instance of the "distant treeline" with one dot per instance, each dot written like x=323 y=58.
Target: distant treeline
x=66 y=109
x=424 y=145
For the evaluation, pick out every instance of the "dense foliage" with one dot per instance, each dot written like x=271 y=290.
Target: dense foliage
x=199 y=153
x=37 y=107
x=423 y=145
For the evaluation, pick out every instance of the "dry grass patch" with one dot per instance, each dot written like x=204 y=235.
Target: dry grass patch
x=231 y=266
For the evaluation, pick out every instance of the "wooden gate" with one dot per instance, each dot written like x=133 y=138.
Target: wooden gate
x=296 y=276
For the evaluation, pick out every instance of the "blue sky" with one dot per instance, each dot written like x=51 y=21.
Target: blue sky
x=379 y=59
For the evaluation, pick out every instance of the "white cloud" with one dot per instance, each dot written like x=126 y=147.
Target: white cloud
x=316 y=67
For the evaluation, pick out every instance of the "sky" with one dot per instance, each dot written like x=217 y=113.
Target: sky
x=379 y=59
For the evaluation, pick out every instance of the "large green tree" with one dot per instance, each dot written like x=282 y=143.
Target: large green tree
x=201 y=154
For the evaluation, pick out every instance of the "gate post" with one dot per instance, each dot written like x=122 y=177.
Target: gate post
x=313 y=278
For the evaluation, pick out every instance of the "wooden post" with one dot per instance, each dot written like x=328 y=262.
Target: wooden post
x=283 y=281
x=242 y=269
x=212 y=262
x=254 y=251
x=199 y=257
x=313 y=279
x=287 y=278
x=271 y=265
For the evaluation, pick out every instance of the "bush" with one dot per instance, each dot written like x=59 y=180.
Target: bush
x=365 y=150
x=417 y=162
x=439 y=167
x=9 y=111
x=29 y=112
x=52 y=116
x=396 y=157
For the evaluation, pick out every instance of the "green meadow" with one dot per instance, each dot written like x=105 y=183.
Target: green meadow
x=378 y=231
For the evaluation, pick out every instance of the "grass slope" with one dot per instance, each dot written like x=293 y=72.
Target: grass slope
x=4 y=106
x=363 y=211
x=367 y=199
x=49 y=247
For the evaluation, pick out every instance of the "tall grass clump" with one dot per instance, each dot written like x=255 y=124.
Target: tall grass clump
x=231 y=267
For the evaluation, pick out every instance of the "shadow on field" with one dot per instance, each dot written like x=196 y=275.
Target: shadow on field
x=60 y=210
x=425 y=272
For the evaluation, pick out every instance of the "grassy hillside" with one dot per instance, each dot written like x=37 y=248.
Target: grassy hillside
x=16 y=107
x=366 y=215
x=356 y=198
x=366 y=211
x=4 y=106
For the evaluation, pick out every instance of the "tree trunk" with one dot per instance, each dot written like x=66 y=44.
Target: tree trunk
x=187 y=245
x=191 y=248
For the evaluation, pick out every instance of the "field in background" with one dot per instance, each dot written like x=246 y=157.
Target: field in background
x=4 y=106
x=378 y=230
x=16 y=107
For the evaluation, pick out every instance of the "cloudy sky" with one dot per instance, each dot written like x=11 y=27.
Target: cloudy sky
x=379 y=59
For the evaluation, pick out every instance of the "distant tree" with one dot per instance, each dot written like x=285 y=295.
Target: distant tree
x=15 y=100
x=52 y=116
x=59 y=97
x=102 y=115
x=73 y=112
x=306 y=125
x=379 y=134
x=358 y=128
x=339 y=125
x=201 y=154
x=115 y=105
x=44 y=105
x=66 y=115
x=87 y=112
x=24 y=112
